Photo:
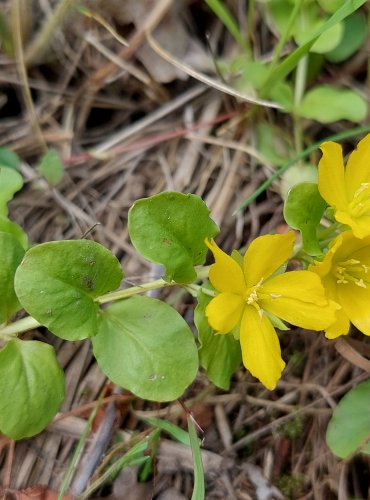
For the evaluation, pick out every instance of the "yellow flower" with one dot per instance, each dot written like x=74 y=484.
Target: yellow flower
x=347 y=190
x=248 y=292
x=345 y=274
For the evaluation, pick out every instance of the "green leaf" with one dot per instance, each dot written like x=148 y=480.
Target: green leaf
x=31 y=387
x=355 y=33
x=11 y=254
x=253 y=74
x=282 y=93
x=6 y=38
x=274 y=144
x=170 y=229
x=145 y=346
x=279 y=12
x=291 y=61
x=219 y=355
x=8 y=226
x=58 y=281
x=51 y=167
x=328 y=40
x=199 y=482
x=303 y=210
x=330 y=5
x=9 y=159
x=349 y=427
x=11 y=181
x=301 y=172
x=328 y=104
x=309 y=21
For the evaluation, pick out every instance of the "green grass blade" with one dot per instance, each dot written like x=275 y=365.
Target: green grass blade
x=225 y=16
x=77 y=453
x=199 y=488
x=170 y=428
x=135 y=456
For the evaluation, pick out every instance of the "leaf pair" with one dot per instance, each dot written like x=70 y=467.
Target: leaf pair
x=141 y=343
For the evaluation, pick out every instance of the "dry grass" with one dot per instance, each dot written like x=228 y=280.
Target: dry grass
x=125 y=134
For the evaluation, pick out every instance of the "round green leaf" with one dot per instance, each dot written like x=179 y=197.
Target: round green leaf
x=8 y=226
x=355 y=33
x=51 y=167
x=11 y=254
x=349 y=427
x=9 y=158
x=170 y=229
x=330 y=5
x=300 y=172
x=273 y=143
x=329 y=39
x=58 y=281
x=11 y=181
x=31 y=387
x=327 y=104
x=303 y=210
x=145 y=346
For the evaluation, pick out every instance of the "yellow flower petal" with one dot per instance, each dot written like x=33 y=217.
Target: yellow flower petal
x=298 y=297
x=265 y=255
x=302 y=285
x=324 y=267
x=356 y=304
x=358 y=167
x=340 y=327
x=331 y=175
x=347 y=263
x=359 y=225
x=224 y=312
x=225 y=275
x=260 y=348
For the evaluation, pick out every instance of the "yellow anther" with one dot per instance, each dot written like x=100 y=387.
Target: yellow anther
x=362 y=188
x=360 y=283
x=360 y=204
x=252 y=297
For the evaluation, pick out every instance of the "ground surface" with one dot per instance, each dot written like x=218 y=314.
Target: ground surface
x=129 y=125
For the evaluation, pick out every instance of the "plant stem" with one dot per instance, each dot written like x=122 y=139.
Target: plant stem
x=202 y=273
x=300 y=83
x=30 y=323
x=280 y=45
x=20 y=326
x=78 y=451
x=47 y=31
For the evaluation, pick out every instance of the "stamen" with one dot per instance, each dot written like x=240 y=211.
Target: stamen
x=275 y=295
x=341 y=279
x=252 y=297
x=360 y=283
x=362 y=188
x=352 y=271
x=360 y=204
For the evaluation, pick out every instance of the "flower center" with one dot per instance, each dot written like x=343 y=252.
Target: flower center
x=251 y=296
x=360 y=205
x=352 y=271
